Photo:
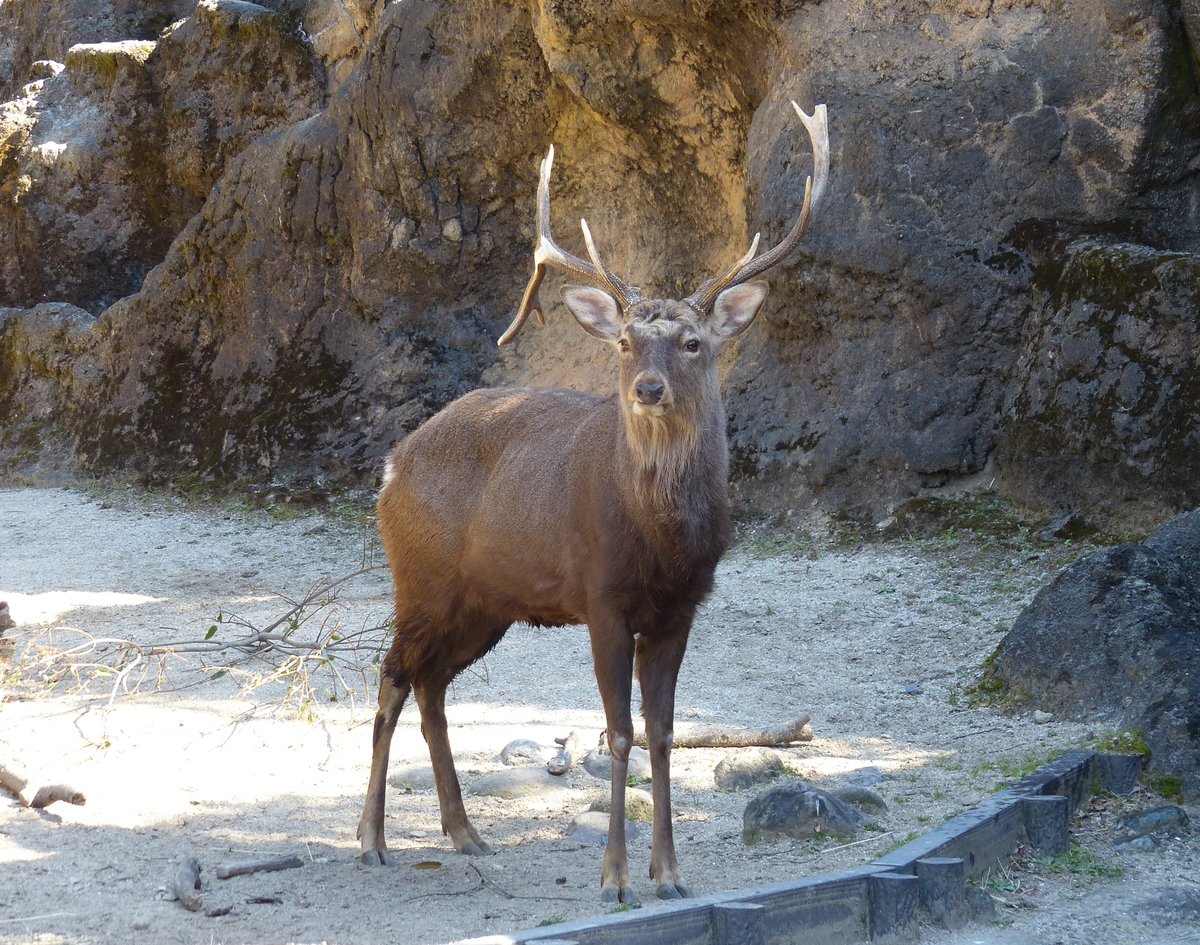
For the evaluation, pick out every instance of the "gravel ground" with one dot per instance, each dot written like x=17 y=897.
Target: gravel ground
x=228 y=757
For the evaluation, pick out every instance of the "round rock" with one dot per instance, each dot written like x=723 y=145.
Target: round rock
x=598 y=763
x=747 y=768
x=639 y=805
x=517 y=782
x=798 y=811
x=413 y=778
x=525 y=751
x=591 y=828
x=863 y=798
x=866 y=777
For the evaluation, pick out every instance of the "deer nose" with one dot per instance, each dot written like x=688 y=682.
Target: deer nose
x=650 y=392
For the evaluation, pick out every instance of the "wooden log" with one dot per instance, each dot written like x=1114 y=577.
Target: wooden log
x=33 y=793
x=186 y=882
x=568 y=754
x=228 y=870
x=716 y=736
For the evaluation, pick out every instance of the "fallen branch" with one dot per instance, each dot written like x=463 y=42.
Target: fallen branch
x=36 y=794
x=716 y=736
x=229 y=870
x=292 y=660
x=186 y=882
x=568 y=754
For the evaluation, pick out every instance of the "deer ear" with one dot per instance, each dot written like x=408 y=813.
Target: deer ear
x=735 y=308
x=597 y=312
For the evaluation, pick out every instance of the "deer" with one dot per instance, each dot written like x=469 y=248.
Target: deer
x=555 y=507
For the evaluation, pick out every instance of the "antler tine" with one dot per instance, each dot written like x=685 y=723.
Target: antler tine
x=748 y=267
x=625 y=293
x=704 y=296
x=547 y=253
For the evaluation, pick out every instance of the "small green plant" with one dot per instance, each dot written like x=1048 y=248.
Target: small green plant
x=636 y=780
x=1080 y=862
x=1122 y=743
x=1168 y=786
x=551 y=920
x=990 y=691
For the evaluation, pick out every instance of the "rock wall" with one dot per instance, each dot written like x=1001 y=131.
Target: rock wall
x=290 y=233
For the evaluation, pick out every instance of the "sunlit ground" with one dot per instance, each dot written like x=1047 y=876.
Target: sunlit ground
x=49 y=606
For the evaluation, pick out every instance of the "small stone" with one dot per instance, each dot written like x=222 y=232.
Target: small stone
x=866 y=777
x=863 y=798
x=413 y=778
x=1136 y=845
x=747 y=768
x=796 y=810
x=516 y=783
x=524 y=751
x=912 y=689
x=598 y=764
x=1041 y=718
x=140 y=925
x=6 y=621
x=591 y=829
x=452 y=230
x=1063 y=526
x=639 y=805
x=1171 y=817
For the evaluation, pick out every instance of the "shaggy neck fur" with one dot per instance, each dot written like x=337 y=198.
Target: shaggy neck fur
x=674 y=454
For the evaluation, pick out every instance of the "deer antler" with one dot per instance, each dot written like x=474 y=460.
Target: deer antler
x=748 y=266
x=547 y=253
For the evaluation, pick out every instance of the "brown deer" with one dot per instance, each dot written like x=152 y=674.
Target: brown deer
x=555 y=507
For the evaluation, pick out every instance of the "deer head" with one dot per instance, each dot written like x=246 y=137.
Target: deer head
x=668 y=348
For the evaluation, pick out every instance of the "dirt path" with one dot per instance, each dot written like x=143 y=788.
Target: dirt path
x=877 y=642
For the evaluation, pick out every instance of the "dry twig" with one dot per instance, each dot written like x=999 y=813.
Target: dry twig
x=291 y=659
x=270 y=865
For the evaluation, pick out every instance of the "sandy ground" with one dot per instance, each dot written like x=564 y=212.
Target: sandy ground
x=229 y=758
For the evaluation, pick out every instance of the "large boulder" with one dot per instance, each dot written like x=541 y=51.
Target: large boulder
x=1115 y=640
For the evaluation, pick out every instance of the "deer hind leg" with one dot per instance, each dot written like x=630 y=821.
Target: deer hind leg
x=431 y=697
x=658 y=660
x=612 y=654
x=393 y=690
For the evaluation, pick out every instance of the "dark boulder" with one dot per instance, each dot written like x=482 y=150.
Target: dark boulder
x=799 y=811
x=1115 y=640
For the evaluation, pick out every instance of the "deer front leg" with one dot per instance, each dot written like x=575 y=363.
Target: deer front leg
x=393 y=690
x=612 y=654
x=432 y=700
x=658 y=660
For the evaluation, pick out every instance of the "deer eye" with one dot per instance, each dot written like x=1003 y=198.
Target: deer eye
x=692 y=345
x=623 y=344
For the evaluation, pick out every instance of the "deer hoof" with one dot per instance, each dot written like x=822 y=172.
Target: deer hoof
x=676 y=890
x=618 y=895
x=376 y=858
x=473 y=848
